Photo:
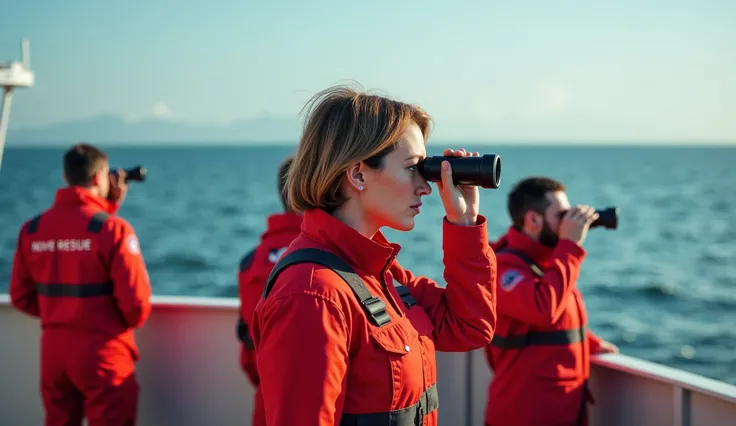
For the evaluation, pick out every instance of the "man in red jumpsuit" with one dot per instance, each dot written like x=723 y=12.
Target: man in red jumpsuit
x=79 y=268
x=541 y=351
x=281 y=229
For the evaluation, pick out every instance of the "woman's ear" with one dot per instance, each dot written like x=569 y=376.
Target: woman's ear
x=354 y=176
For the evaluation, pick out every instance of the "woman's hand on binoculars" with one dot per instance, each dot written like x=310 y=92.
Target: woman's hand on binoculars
x=462 y=203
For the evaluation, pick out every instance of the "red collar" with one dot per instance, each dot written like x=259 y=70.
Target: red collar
x=370 y=255
x=281 y=222
x=76 y=195
x=517 y=240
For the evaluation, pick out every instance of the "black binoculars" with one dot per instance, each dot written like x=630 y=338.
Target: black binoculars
x=607 y=218
x=483 y=171
x=137 y=174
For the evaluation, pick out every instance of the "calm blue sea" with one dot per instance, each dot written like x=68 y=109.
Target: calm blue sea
x=662 y=287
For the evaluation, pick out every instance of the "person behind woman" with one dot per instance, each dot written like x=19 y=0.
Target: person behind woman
x=255 y=266
x=324 y=357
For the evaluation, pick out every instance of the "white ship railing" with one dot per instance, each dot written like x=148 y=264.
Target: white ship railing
x=189 y=375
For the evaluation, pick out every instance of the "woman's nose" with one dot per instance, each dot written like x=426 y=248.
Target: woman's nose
x=423 y=188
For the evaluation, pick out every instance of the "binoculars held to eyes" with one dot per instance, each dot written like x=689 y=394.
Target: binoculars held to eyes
x=483 y=171
x=135 y=174
x=607 y=218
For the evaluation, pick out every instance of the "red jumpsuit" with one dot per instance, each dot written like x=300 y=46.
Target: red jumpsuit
x=541 y=351
x=79 y=269
x=281 y=229
x=324 y=359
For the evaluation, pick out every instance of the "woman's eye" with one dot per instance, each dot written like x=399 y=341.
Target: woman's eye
x=412 y=168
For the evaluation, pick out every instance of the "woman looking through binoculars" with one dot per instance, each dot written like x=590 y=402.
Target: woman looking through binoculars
x=343 y=333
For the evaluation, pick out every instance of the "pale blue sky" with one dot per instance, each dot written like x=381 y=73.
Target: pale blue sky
x=535 y=70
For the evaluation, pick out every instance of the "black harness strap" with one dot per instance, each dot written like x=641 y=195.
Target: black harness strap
x=374 y=306
x=409 y=416
x=241 y=328
x=534 y=267
x=95 y=224
x=33 y=225
x=241 y=331
x=247 y=260
x=75 y=290
x=540 y=338
x=405 y=295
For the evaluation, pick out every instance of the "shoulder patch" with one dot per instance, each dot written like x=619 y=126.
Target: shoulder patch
x=275 y=254
x=510 y=279
x=132 y=245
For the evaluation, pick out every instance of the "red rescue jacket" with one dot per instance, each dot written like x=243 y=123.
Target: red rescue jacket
x=78 y=267
x=281 y=229
x=541 y=351
x=324 y=359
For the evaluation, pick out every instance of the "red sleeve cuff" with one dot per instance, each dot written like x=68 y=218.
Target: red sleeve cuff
x=464 y=241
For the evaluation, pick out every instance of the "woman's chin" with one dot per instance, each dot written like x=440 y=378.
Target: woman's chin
x=404 y=225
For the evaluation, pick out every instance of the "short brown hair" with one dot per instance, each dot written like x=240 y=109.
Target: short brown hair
x=81 y=162
x=530 y=194
x=343 y=127
x=281 y=183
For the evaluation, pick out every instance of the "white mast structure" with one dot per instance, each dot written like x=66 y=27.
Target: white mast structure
x=12 y=75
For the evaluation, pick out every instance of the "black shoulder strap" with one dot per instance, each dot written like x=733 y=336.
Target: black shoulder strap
x=247 y=260
x=405 y=295
x=374 y=306
x=33 y=225
x=528 y=260
x=95 y=224
x=241 y=331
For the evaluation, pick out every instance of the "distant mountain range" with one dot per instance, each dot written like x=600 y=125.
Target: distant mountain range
x=110 y=128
